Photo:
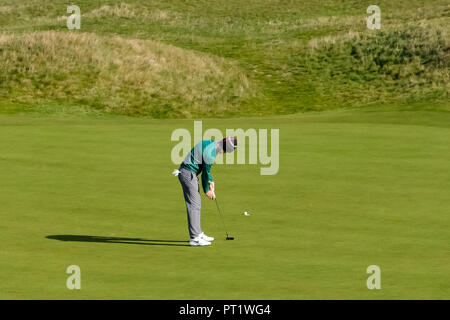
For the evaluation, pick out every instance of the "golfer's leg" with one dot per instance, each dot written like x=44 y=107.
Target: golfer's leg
x=189 y=182
x=194 y=212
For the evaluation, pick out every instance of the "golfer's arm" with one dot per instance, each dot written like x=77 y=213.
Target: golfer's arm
x=206 y=177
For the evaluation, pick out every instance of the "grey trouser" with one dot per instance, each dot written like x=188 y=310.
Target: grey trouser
x=191 y=191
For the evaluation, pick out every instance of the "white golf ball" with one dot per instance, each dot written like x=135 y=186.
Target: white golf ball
x=246 y=213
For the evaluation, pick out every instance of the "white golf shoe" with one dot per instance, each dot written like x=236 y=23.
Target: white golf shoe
x=199 y=242
x=205 y=237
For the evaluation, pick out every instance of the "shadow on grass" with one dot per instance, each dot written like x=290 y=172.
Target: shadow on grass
x=146 y=242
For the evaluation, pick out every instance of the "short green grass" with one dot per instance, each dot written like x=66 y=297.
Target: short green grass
x=355 y=188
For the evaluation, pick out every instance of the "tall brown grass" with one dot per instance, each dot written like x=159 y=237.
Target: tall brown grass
x=117 y=75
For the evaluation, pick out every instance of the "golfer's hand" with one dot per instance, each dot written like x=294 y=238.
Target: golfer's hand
x=210 y=194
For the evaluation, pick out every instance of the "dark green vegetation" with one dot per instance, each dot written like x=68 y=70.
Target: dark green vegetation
x=280 y=57
x=354 y=189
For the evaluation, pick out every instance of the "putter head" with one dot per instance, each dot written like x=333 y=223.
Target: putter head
x=229 y=238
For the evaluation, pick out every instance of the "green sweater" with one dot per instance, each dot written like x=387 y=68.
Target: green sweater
x=200 y=160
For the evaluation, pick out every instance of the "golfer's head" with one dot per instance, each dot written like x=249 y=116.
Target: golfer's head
x=229 y=144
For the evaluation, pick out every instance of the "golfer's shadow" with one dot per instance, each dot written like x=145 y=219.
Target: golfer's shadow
x=146 y=242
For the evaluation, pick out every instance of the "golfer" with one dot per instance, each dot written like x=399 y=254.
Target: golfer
x=199 y=161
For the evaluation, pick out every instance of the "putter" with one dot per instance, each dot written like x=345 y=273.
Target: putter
x=223 y=223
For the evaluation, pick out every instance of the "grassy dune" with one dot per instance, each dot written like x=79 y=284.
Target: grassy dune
x=117 y=75
x=407 y=63
x=224 y=58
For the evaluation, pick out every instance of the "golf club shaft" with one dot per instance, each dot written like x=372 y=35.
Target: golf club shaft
x=221 y=218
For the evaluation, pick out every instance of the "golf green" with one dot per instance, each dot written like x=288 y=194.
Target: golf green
x=354 y=189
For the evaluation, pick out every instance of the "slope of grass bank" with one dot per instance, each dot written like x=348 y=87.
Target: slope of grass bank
x=116 y=75
x=280 y=56
x=404 y=64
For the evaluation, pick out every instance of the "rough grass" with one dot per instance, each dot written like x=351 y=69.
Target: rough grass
x=116 y=75
x=294 y=55
x=410 y=63
x=125 y=10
